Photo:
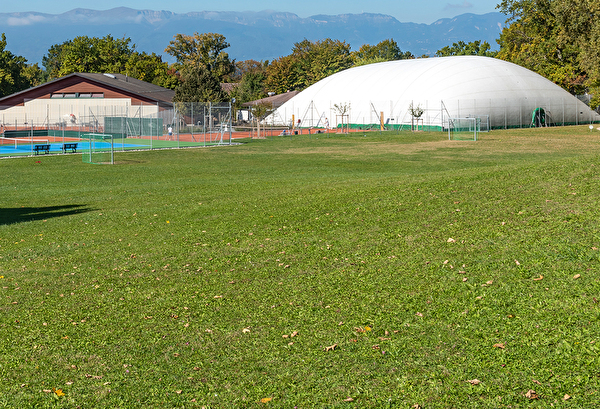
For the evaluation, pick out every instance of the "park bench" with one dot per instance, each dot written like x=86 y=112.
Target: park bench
x=69 y=146
x=38 y=148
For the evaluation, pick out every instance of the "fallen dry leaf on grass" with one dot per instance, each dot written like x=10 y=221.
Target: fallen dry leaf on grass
x=541 y=277
x=474 y=381
x=246 y=330
x=499 y=345
x=576 y=276
x=566 y=397
x=348 y=400
x=531 y=394
x=87 y=375
x=266 y=400
x=331 y=348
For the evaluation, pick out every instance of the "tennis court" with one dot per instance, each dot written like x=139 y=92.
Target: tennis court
x=27 y=146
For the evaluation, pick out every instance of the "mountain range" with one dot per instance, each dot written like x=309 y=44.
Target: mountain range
x=263 y=35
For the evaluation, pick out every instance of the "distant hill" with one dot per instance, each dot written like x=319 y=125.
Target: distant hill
x=263 y=35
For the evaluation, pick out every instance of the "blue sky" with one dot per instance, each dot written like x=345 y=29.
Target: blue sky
x=423 y=11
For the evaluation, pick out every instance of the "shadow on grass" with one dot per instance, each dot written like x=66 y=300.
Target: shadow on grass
x=27 y=214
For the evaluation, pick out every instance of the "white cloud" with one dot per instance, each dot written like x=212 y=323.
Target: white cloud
x=25 y=20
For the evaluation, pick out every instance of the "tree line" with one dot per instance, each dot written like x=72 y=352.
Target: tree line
x=555 y=38
x=202 y=64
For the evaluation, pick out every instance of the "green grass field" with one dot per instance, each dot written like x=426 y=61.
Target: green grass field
x=370 y=270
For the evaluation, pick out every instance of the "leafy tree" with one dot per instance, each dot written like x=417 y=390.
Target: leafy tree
x=579 y=26
x=107 y=54
x=250 y=76
x=247 y=66
x=472 y=48
x=536 y=39
x=386 y=50
x=250 y=88
x=151 y=68
x=317 y=60
x=13 y=71
x=202 y=50
x=282 y=75
x=52 y=60
x=199 y=85
x=34 y=74
x=88 y=54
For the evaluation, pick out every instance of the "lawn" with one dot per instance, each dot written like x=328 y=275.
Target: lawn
x=370 y=270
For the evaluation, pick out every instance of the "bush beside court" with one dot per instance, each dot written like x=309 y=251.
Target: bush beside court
x=381 y=270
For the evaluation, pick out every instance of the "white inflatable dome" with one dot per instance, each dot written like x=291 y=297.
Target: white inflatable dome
x=502 y=94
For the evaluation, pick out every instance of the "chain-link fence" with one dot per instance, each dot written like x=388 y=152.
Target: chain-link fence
x=158 y=126
x=495 y=113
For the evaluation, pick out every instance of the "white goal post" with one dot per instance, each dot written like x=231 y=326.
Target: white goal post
x=464 y=129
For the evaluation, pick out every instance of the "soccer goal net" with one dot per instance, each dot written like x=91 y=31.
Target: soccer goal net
x=100 y=149
x=464 y=129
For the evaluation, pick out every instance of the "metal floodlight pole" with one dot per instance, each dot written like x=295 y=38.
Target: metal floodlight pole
x=210 y=121
x=192 y=110
x=230 y=121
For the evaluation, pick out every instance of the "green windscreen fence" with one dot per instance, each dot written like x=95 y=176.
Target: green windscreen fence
x=123 y=127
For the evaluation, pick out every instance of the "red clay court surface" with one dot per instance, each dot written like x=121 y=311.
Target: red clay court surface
x=184 y=137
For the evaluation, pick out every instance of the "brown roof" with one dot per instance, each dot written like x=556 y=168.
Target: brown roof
x=126 y=83
x=275 y=101
x=119 y=82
